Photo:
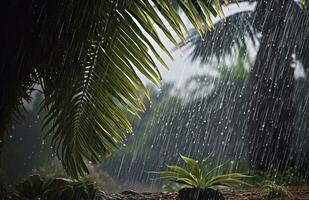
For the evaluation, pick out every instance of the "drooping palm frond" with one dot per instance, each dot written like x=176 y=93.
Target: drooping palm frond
x=234 y=32
x=92 y=78
x=240 y=31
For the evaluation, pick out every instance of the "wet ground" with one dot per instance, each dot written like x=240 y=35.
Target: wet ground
x=299 y=193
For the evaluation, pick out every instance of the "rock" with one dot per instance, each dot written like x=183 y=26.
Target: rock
x=200 y=194
x=129 y=192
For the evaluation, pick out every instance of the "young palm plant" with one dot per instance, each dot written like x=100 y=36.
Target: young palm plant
x=196 y=175
x=199 y=182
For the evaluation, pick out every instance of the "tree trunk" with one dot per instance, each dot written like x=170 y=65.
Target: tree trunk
x=272 y=82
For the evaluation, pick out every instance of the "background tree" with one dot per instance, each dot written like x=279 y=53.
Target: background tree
x=25 y=148
x=282 y=25
x=271 y=108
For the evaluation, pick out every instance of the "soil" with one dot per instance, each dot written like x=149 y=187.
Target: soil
x=299 y=193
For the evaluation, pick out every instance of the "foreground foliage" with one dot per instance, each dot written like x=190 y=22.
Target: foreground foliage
x=196 y=175
x=35 y=188
x=271 y=189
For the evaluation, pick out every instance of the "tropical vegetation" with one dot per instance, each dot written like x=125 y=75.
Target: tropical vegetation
x=90 y=62
x=34 y=187
x=271 y=189
x=196 y=175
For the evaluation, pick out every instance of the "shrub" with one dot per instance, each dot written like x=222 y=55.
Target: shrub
x=96 y=176
x=271 y=189
x=36 y=188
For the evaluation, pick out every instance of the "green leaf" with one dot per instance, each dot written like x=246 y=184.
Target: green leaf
x=93 y=78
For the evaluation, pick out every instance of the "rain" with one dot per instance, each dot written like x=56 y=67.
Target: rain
x=233 y=101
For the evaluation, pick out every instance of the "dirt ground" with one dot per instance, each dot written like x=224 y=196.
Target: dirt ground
x=299 y=193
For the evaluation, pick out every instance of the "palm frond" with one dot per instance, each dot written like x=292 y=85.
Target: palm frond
x=304 y=3
x=91 y=81
x=234 y=32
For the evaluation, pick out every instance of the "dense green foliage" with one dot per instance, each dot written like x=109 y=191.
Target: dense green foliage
x=36 y=188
